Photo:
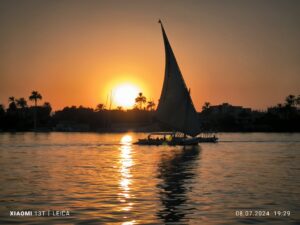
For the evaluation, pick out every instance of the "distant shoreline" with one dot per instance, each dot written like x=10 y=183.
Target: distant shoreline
x=283 y=118
x=132 y=131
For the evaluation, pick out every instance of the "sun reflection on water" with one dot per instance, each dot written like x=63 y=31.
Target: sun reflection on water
x=126 y=163
x=126 y=140
x=129 y=223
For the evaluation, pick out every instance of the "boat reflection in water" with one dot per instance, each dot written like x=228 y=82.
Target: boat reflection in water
x=176 y=172
x=126 y=163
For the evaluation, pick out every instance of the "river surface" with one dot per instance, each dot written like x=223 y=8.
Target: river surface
x=103 y=179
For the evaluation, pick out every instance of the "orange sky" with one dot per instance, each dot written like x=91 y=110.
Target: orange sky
x=74 y=52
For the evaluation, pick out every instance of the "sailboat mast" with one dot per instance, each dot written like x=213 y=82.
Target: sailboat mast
x=186 y=113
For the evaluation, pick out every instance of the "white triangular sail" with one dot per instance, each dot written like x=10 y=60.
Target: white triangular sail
x=175 y=108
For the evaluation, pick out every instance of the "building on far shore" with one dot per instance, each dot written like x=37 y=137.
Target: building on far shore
x=226 y=108
x=226 y=117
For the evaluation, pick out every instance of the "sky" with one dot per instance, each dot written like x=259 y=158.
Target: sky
x=75 y=52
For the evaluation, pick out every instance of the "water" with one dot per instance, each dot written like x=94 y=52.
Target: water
x=104 y=179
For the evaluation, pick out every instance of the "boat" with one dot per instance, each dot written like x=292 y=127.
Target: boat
x=175 y=109
x=173 y=138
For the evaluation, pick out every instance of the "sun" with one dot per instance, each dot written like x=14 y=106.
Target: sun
x=124 y=95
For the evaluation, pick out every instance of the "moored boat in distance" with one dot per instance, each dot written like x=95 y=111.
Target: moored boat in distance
x=175 y=109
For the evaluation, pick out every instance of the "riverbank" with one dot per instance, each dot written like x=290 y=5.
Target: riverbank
x=222 y=118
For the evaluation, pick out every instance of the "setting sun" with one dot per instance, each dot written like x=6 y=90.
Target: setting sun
x=124 y=95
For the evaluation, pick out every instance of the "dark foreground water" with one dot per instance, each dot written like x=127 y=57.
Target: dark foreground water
x=104 y=179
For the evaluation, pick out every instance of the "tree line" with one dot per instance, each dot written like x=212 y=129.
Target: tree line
x=141 y=103
x=20 y=116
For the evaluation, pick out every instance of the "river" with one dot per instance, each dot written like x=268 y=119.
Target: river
x=92 y=178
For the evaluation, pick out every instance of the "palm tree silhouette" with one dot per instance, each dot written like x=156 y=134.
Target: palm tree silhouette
x=205 y=106
x=22 y=103
x=11 y=99
x=12 y=103
x=35 y=96
x=47 y=105
x=290 y=100
x=150 y=105
x=2 y=110
x=140 y=100
x=99 y=107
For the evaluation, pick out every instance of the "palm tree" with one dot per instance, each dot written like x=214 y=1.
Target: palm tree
x=120 y=108
x=12 y=103
x=140 y=100
x=205 y=106
x=22 y=103
x=100 y=107
x=290 y=100
x=47 y=107
x=11 y=99
x=150 y=105
x=2 y=111
x=35 y=96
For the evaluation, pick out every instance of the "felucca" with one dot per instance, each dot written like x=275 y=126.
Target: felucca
x=175 y=108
